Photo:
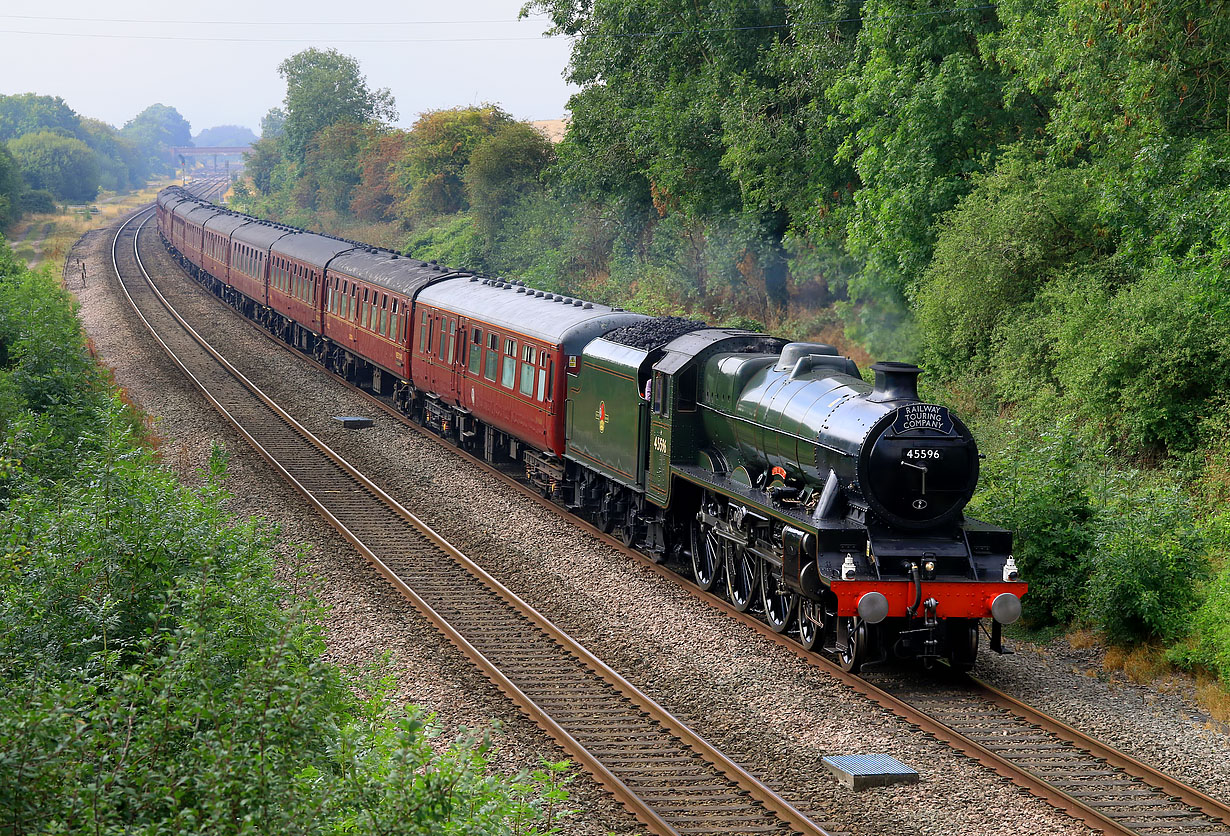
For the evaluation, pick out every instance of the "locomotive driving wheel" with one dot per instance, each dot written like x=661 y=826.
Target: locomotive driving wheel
x=851 y=643
x=779 y=602
x=811 y=624
x=707 y=557
x=630 y=532
x=742 y=572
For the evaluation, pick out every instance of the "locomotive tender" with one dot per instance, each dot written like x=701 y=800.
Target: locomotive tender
x=831 y=507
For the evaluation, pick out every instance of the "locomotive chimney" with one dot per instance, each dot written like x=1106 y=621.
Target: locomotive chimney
x=895 y=382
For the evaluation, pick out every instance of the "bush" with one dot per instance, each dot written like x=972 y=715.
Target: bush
x=1036 y=488
x=38 y=200
x=154 y=678
x=1149 y=561
x=1208 y=646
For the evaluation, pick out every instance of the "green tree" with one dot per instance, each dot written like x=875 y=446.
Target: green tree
x=503 y=169
x=11 y=187
x=30 y=113
x=924 y=108
x=273 y=123
x=156 y=129
x=260 y=161
x=332 y=164
x=64 y=166
x=115 y=153
x=224 y=136
x=323 y=88
x=431 y=173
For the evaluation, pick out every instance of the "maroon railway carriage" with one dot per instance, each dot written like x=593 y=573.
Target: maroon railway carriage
x=249 y=256
x=194 y=230
x=297 y=265
x=499 y=351
x=178 y=214
x=368 y=297
x=216 y=258
x=168 y=199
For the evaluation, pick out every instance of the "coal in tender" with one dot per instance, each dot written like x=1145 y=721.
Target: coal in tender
x=651 y=333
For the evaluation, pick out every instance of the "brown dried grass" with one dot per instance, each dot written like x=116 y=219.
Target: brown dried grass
x=1213 y=696
x=1114 y=659
x=1082 y=639
x=1142 y=665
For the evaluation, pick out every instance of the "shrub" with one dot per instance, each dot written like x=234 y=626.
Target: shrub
x=1037 y=489
x=1208 y=645
x=1148 y=561
x=38 y=200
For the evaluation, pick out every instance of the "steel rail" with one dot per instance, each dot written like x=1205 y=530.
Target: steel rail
x=643 y=809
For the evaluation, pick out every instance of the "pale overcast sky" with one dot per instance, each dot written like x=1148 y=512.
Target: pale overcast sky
x=216 y=62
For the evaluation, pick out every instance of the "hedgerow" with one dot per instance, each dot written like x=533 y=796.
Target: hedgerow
x=154 y=675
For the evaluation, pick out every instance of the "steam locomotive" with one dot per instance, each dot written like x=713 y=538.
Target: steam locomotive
x=830 y=507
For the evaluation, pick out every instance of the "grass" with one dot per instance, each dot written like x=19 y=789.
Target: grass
x=50 y=236
x=1214 y=698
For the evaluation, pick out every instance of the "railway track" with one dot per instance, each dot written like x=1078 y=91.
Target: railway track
x=1108 y=790
x=663 y=772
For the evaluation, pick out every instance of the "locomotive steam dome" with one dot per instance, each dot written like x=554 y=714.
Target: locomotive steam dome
x=919 y=464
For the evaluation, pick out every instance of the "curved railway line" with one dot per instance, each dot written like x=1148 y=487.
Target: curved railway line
x=663 y=772
x=1108 y=790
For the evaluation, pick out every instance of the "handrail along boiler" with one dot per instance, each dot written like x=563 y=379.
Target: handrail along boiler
x=831 y=507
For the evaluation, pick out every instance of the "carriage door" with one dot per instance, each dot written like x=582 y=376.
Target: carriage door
x=456 y=358
x=659 y=469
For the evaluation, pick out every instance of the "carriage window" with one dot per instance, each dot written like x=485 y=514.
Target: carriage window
x=452 y=341
x=354 y=304
x=508 y=374
x=431 y=332
x=476 y=349
x=442 y=348
x=493 y=354
x=423 y=333
x=529 y=356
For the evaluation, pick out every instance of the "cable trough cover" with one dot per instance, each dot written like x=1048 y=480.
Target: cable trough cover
x=862 y=771
x=353 y=422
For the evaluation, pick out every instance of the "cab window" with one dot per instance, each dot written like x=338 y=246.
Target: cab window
x=661 y=399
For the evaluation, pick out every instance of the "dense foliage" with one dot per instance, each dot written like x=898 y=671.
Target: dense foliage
x=1030 y=197
x=156 y=676
x=323 y=88
x=48 y=149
